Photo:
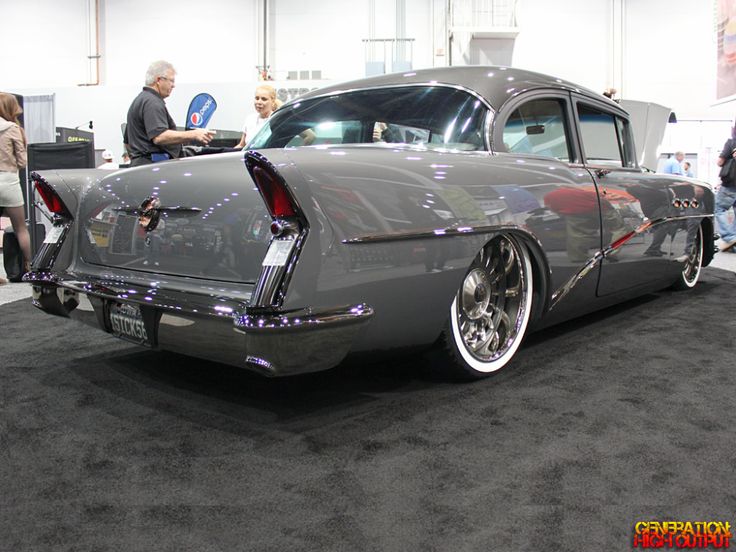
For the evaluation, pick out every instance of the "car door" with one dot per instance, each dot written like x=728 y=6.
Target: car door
x=640 y=236
x=553 y=195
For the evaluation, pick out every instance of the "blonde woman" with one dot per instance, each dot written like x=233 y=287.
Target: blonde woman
x=12 y=159
x=265 y=103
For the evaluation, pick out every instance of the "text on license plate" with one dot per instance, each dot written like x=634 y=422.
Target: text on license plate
x=126 y=321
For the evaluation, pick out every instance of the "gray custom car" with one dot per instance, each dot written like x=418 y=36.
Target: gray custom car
x=453 y=209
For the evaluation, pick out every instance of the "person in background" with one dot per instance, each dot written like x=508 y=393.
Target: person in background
x=126 y=159
x=726 y=194
x=151 y=134
x=13 y=158
x=265 y=103
x=674 y=164
x=108 y=164
x=686 y=169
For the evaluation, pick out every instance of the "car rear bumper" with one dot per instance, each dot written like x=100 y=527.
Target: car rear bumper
x=213 y=328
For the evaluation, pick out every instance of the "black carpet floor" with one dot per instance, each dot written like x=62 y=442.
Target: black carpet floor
x=621 y=416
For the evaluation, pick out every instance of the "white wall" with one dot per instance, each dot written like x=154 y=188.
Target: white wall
x=568 y=39
x=324 y=35
x=668 y=51
x=211 y=41
x=670 y=58
x=43 y=43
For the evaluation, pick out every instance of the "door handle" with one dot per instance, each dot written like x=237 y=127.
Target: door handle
x=600 y=173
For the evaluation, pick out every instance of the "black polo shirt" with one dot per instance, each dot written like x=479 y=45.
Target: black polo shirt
x=147 y=118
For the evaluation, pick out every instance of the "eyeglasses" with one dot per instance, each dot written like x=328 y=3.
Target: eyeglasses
x=172 y=81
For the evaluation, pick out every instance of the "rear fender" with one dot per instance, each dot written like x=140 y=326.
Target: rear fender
x=69 y=186
x=371 y=241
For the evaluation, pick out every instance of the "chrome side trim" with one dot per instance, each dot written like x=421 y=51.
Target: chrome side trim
x=568 y=286
x=452 y=231
x=447 y=232
x=646 y=226
x=559 y=294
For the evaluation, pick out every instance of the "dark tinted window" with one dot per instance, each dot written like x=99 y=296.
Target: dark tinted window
x=600 y=138
x=432 y=116
x=538 y=127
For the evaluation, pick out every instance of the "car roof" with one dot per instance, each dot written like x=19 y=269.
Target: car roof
x=495 y=84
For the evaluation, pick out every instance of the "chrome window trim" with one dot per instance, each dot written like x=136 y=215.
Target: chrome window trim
x=524 y=96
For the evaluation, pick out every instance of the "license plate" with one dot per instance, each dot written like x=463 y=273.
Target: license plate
x=54 y=234
x=127 y=323
x=278 y=253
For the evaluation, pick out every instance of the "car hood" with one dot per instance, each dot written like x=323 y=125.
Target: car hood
x=649 y=121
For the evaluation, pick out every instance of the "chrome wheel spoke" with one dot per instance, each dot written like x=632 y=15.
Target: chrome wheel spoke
x=505 y=322
x=496 y=277
x=509 y=260
x=513 y=291
x=466 y=327
x=489 y=346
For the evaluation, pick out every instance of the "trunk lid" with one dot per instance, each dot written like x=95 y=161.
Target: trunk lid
x=199 y=217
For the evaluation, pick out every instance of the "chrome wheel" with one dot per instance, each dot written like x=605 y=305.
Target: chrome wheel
x=693 y=263
x=491 y=310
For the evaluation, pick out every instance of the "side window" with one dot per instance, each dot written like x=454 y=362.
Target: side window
x=538 y=127
x=600 y=137
x=627 y=142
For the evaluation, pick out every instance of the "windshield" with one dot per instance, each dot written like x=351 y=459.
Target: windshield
x=431 y=116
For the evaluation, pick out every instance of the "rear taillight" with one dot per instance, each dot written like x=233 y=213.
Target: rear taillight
x=279 y=201
x=50 y=198
x=274 y=194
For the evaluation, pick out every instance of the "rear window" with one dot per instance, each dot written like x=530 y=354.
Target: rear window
x=431 y=116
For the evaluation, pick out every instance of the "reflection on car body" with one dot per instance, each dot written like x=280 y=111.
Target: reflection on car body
x=443 y=208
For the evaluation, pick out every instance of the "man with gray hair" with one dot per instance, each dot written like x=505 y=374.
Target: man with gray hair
x=151 y=134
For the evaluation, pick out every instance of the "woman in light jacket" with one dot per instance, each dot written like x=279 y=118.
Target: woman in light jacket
x=12 y=159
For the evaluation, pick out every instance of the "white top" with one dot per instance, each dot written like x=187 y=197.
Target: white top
x=253 y=124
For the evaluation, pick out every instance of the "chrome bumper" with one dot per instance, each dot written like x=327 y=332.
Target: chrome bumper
x=270 y=343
